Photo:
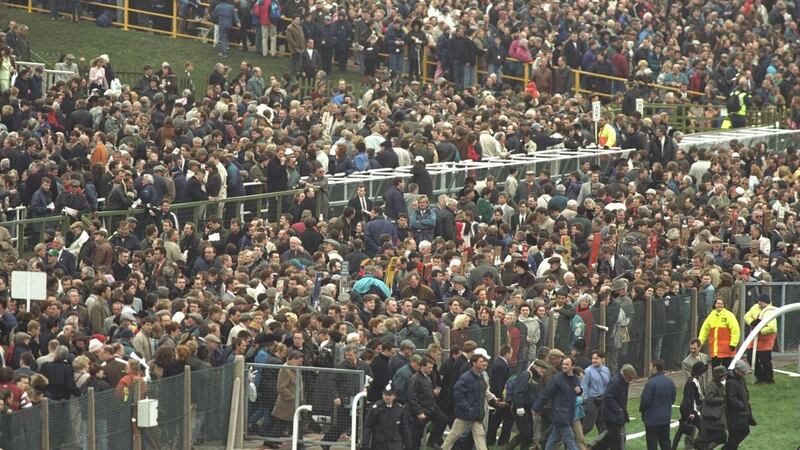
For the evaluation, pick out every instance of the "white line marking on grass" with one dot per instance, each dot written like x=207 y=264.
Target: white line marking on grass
x=786 y=372
x=641 y=434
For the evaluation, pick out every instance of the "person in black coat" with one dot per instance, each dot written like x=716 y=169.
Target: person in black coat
x=358 y=203
x=422 y=177
x=499 y=373
x=376 y=228
x=690 y=406
x=343 y=30
x=194 y=187
x=310 y=60
x=386 y=426
x=526 y=390
x=422 y=392
x=380 y=372
x=662 y=147
x=615 y=409
x=737 y=399
x=59 y=373
x=387 y=157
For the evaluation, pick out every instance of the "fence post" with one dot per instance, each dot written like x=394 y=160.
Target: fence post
x=137 y=436
x=30 y=6
x=424 y=64
x=446 y=338
x=551 y=331
x=90 y=420
x=693 y=322
x=526 y=74
x=174 y=19
x=239 y=369
x=234 y=418
x=782 y=328
x=125 y=8
x=648 y=333
x=46 y=424
x=603 y=333
x=187 y=408
x=577 y=78
x=497 y=338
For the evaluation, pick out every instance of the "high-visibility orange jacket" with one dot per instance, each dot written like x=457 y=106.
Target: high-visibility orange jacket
x=721 y=331
x=767 y=335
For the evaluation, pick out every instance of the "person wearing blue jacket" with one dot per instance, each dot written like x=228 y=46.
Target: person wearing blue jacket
x=561 y=392
x=471 y=393
x=226 y=17
x=615 y=409
x=656 y=407
x=526 y=391
x=393 y=199
x=376 y=228
x=423 y=220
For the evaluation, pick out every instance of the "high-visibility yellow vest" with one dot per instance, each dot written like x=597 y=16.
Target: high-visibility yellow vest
x=742 y=105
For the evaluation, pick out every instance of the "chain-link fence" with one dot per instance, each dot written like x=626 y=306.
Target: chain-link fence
x=22 y=430
x=671 y=329
x=197 y=402
x=281 y=389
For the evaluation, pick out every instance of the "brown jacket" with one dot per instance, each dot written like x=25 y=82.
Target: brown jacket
x=284 y=405
x=296 y=39
x=103 y=255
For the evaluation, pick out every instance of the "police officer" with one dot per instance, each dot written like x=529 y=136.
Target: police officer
x=386 y=426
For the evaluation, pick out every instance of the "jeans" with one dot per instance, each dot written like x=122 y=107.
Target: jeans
x=396 y=63
x=469 y=78
x=497 y=69
x=223 y=40
x=561 y=433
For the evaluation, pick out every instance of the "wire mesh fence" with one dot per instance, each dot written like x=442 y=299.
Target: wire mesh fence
x=781 y=294
x=22 y=430
x=281 y=389
x=112 y=421
x=169 y=432
x=68 y=423
x=211 y=407
x=671 y=329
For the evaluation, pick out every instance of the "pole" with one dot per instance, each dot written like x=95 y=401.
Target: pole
x=603 y=332
x=497 y=338
x=354 y=418
x=693 y=319
x=239 y=372
x=90 y=421
x=648 y=332
x=126 y=6
x=28 y=294
x=234 y=417
x=296 y=424
x=137 y=437
x=187 y=408
x=175 y=19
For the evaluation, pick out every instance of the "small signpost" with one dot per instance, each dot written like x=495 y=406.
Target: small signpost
x=29 y=285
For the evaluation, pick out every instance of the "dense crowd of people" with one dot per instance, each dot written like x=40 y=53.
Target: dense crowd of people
x=533 y=253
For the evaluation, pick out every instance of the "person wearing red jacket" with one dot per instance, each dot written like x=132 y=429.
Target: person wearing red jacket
x=267 y=30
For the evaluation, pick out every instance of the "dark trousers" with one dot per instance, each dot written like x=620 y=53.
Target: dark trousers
x=341 y=58
x=612 y=440
x=763 y=369
x=326 y=53
x=709 y=439
x=340 y=425
x=592 y=409
x=737 y=121
x=736 y=436
x=725 y=362
x=439 y=420
x=657 y=436
x=524 y=436
x=498 y=417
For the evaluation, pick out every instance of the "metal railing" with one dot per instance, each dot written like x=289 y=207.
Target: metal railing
x=281 y=389
x=51 y=76
x=775 y=138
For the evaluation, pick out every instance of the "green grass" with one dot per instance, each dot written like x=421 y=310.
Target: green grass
x=130 y=50
x=774 y=408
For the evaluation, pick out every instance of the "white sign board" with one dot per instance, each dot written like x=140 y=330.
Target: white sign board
x=596 y=111
x=640 y=106
x=29 y=286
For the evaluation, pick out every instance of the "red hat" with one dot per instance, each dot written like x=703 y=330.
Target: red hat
x=99 y=337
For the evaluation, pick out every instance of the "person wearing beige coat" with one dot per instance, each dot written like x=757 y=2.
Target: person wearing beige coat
x=283 y=411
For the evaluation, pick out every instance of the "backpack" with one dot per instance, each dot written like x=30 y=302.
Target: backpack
x=732 y=103
x=509 y=391
x=274 y=11
x=578 y=327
